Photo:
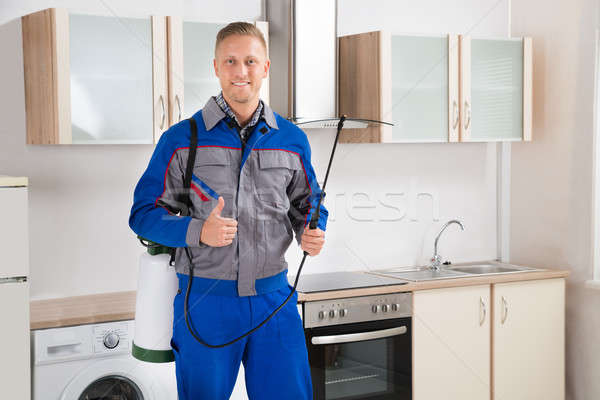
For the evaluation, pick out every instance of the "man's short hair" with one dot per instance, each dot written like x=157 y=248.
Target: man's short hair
x=240 y=28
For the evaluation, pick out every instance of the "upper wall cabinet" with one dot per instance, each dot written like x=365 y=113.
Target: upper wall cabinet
x=94 y=79
x=410 y=81
x=191 y=53
x=97 y=79
x=495 y=92
x=435 y=89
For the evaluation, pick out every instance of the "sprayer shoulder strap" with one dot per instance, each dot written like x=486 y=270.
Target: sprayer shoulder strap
x=187 y=180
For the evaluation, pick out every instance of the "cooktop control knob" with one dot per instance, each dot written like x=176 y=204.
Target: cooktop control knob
x=111 y=340
x=375 y=308
x=332 y=313
x=384 y=308
x=395 y=307
x=321 y=314
x=343 y=312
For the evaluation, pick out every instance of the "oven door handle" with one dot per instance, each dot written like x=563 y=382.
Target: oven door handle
x=357 y=337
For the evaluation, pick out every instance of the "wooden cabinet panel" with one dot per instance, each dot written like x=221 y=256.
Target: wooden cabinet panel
x=361 y=84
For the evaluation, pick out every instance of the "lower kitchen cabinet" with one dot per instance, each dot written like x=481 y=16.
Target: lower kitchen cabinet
x=515 y=349
x=451 y=343
x=529 y=340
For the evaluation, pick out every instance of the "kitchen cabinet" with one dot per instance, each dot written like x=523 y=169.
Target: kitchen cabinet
x=499 y=341
x=410 y=81
x=451 y=343
x=435 y=89
x=15 y=375
x=94 y=79
x=529 y=340
x=191 y=48
x=495 y=89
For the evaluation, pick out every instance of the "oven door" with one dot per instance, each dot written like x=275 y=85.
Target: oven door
x=366 y=360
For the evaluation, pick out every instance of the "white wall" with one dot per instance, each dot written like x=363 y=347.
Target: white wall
x=80 y=196
x=552 y=176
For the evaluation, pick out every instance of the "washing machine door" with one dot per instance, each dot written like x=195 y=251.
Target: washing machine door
x=112 y=387
x=123 y=379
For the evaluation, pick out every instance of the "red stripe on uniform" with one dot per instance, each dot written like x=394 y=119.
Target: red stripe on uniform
x=171 y=159
x=198 y=192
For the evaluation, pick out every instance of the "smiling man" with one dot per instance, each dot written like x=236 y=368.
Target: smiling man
x=253 y=187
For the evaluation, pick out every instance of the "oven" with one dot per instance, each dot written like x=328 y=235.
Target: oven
x=360 y=348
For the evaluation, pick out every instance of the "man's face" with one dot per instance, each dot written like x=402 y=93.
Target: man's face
x=241 y=64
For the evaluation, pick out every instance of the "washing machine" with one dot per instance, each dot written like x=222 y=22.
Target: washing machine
x=94 y=361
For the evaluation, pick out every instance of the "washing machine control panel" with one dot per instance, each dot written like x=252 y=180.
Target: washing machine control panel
x=111 y=338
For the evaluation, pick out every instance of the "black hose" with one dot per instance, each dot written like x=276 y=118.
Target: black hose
x=313 y=225
x=188 y=318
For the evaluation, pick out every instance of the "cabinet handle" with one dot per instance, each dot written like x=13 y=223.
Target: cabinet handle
x=178 y=107
x=455 y=114
x=467 y=115
x=504 y=309
x=481 y=307
x=162 y=107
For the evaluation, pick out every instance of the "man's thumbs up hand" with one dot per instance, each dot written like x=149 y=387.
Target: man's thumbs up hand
x=218 y=231
x=219 y=208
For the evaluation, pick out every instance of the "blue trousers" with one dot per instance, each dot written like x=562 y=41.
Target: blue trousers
x=275 y=356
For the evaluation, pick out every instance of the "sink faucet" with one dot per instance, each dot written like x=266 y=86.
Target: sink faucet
x=436 y=260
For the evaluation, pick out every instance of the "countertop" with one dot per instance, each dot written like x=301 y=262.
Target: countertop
x=117 y=306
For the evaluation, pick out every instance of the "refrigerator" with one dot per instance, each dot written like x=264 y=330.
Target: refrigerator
x=15 y=370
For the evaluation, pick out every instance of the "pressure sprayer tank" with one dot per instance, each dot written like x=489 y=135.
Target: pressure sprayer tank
x=157 y=287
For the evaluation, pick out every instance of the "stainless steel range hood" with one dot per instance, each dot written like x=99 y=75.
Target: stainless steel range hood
x=314 y=60
x=303 y=37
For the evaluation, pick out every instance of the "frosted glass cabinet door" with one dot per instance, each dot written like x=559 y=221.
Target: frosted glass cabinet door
x=199 y=78
x=192 y=79
x=420 y=89
x=496 y=89
x=111 y=79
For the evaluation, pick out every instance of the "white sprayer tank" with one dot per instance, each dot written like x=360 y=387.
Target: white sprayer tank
x=157 y=287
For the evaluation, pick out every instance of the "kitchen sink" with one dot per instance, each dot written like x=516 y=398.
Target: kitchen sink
x=481 y=269
x=417 y=275
x=453 y=271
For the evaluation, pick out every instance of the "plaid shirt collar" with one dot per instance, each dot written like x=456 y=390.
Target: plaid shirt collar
x=212 y=114
x=227 y=110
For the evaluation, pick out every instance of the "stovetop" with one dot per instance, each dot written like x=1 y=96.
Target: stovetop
x=311 y=283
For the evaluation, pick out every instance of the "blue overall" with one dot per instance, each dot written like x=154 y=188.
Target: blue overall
x=275 y=356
